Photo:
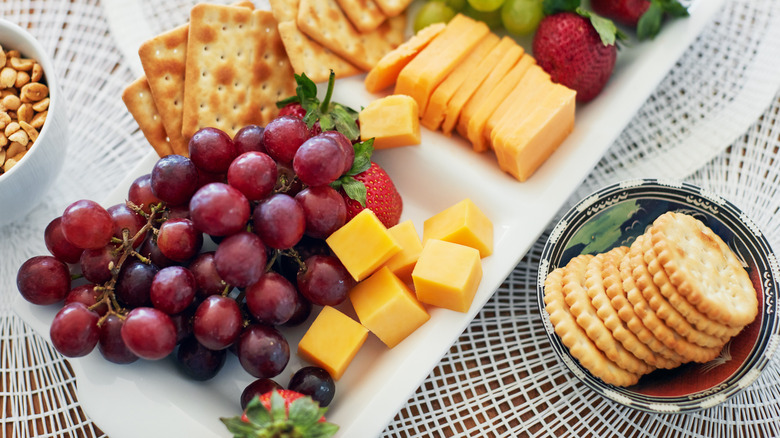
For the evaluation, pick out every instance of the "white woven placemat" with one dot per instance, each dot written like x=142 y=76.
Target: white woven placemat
x=501 y=378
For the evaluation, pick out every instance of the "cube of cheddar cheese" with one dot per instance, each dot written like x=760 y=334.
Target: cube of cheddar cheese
x=447 y=275
x=462 y=223
x=387 y=308
x=403 y=262
x=391 y=121
x=332 y=341
x=363 y=244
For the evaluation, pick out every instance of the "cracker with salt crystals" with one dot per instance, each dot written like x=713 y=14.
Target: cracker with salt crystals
x=325 y=22
x=391 y=8
x=138 y=100
x=365 y=15
x=236 y=69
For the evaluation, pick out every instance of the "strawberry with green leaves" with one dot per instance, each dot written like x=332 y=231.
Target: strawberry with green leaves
x=281 y=414
x=644 y=15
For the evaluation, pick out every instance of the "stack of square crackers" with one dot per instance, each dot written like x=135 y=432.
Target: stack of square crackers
x=229 y=65
x=678 y=294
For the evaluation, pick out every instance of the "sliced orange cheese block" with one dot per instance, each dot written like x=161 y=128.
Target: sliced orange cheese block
x=403 y=262
x=447 y=275
x=429 y=68
x=467 y=70
x=332 y=341
x=387 y=308
x=463 y=223
x=363 y=244
x=526 y=145
x=498 y=97
x=385 y=72
x=479 y=98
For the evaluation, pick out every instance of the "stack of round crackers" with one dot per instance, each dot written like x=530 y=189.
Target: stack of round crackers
x=676 y=295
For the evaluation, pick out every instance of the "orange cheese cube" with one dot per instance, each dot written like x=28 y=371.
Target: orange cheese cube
x=391 y=121
x=447 y=275
x=385 y=72
x=332 y=341
x=387 y=308
x=491 y=69
x=525 y=146
x=468 y=69
x=402 y=263
x=429 y=68
x=363 y=244
x=463 y=223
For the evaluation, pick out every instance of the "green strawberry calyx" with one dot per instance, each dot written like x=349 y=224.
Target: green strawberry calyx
x=650 y=22
x=354 y=188
x=608 y=32
x=300 y=420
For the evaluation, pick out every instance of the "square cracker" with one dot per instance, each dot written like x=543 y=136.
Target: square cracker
x=236 y=69
x=365 y=15
x=391 y=8
x=325 y=22
x=138 y=100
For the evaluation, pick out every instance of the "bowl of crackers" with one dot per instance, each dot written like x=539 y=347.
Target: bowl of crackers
x=660 y=295
x=33 y=123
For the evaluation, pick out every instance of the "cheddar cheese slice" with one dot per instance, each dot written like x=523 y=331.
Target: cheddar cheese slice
x=385 y=72
x=391 y=121
x=429 y=68
x=467 y=70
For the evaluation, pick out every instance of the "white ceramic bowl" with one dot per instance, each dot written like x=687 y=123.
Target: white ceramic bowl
x=23 y=186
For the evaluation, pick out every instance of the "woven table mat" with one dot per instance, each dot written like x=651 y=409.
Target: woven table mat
x=501 y=378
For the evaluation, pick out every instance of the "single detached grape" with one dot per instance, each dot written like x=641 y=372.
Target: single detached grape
x=174 y=179
x=212 y=150
x=325 y=281
x=279 y=221
x=110 y=343
x=96 y=263
x=87 y=225
x=140 y=193
x=249 y=138
x=134 y=283
x=125 y=218
x=257 y=388
x=74 y=330
x=58 y=245
x=324 y=209
x=271 y=300
x=179 y=240
x=319 y=161
x=219 y=210
x=346 y=146
x=240 y=259
x=149 y=333
x=314 y=382
x=173 y=289
x=254 y=174
x=43 y=280
x=217 y=322
x=283 y=136
x=197 y=361
x=206 y=276
x=263 y=351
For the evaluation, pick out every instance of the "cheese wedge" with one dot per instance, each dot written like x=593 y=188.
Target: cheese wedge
x=499 y=97
x=467 y=70
x=385 y=72
x=526 y=145
x=429 y=68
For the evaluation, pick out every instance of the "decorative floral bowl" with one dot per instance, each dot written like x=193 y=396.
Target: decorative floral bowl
x=615 y=216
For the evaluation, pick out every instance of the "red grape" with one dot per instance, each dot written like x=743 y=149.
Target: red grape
x=301 y=311
x=74 y=330
x=199 y=362
x=346 y=146
x=240 y=259
x=58 y=245
x=183 y=323
x=254 y=174
x=217 y=322
x=87 y=225
x=212 y=150
x=206 y=276
x=263 y=351
x=43 y=280
x=179 y=240
x=314 y=382
x=140 y=193
x=319 y=161
x=173 y=289
x=271 y=300
x=249 y=138
x=87 y=295
x=219 y=210
x=283 y=136
x=134 y=283
x=149 y=333
x=125 y=218
x=324 y=209
x=174 y=179
x=110 y=343
x=96 y=263
x=257 y=388
x=325 y=281
x=150 y=250
x=279 y=221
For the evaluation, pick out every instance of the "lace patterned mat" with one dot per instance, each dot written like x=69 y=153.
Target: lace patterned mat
x=501 y=378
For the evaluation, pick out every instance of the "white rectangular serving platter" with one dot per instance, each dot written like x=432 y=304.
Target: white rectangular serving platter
x=154 y=399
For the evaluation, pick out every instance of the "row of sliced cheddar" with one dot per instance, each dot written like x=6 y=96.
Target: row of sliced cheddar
x=467 y=79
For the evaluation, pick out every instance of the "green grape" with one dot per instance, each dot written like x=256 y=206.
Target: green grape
x=492 y=18
x=455 y=5
x=432 y=12
x=486 y=5
x=521 y=17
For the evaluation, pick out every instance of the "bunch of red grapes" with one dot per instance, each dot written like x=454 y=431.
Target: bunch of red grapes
x=149 y=284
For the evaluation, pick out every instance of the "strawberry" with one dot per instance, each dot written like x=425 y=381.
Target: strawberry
x=645 y=15
x=281 y=414
x=577 y=48
x=381 y=196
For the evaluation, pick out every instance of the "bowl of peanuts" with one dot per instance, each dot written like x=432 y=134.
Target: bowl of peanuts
x=33 y=123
